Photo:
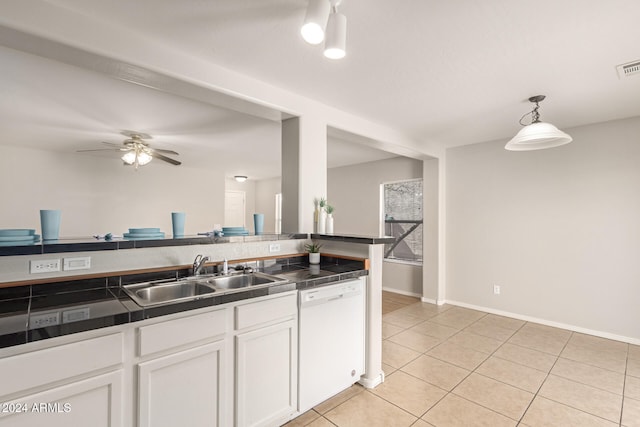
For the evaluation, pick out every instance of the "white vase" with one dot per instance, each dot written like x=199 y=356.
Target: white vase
x=314 y=257
x=322 y=222
x=329 y=224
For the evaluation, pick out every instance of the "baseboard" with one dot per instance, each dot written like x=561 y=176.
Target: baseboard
x=545 y=322
x=398 y=291
x=429 y=300
x=372 y=382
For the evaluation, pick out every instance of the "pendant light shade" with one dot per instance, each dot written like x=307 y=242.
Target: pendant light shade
x=315 y=21
x=537 y=135
x=336 y=41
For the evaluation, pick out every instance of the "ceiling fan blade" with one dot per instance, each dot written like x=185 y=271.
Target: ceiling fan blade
x=166 y=159
x=158 y=150
x=100 y=149
x=111 y=144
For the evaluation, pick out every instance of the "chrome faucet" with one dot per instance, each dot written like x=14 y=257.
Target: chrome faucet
x=198 y=264
x=225 y=267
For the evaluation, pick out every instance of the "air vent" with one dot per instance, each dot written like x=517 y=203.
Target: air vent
x=628 y=70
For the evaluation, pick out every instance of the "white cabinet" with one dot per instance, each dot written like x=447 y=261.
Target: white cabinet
x=183 y=388
x=96 y=402
x=266 y=350
x=74 y=380
x=182 y=372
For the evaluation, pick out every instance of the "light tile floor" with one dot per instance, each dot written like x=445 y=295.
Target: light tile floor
x=451 y=366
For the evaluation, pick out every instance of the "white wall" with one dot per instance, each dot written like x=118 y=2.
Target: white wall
x=557 y=229
x=266 y=190
x=99 y=195
x=354 y=191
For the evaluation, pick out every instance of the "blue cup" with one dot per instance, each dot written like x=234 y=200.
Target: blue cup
x=258 y=223
x=50 y=223
x=177 y=221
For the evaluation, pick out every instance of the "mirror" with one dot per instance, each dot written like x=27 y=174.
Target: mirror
x=50 y=110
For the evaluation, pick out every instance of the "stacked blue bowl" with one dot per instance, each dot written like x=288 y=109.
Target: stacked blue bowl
x=18 y=236
x=144 y=233
x=234 y=231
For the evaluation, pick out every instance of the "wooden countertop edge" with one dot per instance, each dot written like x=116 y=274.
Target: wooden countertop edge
x=365 y=261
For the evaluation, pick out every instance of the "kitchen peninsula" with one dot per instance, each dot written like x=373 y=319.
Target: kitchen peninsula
x=209 y=336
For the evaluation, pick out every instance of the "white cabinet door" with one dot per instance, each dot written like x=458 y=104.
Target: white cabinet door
x=183 y=389
x=266 y=374
x=95 y=402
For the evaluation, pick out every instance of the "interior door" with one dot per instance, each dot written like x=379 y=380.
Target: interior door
x=234 y=208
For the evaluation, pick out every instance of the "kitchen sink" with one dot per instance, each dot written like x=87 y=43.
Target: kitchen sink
x=240 y=281
x=146 y=294
x=194 y=287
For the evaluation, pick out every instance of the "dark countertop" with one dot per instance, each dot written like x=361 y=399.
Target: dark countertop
x=33 y=313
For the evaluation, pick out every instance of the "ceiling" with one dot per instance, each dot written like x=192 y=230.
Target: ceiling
x=443 y=72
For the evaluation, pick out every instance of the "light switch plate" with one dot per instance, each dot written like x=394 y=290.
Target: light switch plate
x=77 y=263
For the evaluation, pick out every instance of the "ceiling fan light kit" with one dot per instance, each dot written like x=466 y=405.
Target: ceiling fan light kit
x=323 y=22
x=537 y=135
x=137 y=152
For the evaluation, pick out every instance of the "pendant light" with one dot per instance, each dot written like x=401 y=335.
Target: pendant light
x=315 y=21
x=537 y=135
x=336 y=37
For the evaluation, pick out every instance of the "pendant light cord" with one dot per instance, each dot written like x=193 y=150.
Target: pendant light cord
x=534 y=115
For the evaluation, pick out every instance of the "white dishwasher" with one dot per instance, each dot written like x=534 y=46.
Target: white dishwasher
x=331 y=340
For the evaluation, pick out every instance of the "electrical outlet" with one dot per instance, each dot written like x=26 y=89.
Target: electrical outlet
x=496 y=289
x=44 y=265
x=79 y=263
x=274 y=247
x=44 y=320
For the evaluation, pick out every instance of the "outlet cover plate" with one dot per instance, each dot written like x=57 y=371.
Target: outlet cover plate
x=44 y=265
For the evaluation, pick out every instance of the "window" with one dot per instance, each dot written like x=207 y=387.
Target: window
x=403 y=219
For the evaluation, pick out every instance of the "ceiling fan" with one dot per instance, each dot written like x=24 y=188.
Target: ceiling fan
x=137 y=151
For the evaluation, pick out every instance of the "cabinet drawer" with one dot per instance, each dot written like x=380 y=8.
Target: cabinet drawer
x=255 y=313
x=40 y=367
x=179 y=332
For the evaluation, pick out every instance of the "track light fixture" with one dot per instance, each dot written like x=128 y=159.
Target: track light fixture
x=537 y=135
x=322 y=22
x=336 y=39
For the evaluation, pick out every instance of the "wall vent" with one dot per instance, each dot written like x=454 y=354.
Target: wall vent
x=628 y=70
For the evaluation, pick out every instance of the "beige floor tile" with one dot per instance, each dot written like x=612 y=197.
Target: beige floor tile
x=589 y=375
x=546 y=413
x=526 y=356
x=422 y=310
x=409 y=393
x=492 y=394
x=511 y=373
x=632 y=387
x=339 y=398
x=421 y=423
x=634 y=352
x=583 y=397
x=597 y=343
x=633 y=367
x=490 y=331
x=436 y=372
x=401 y=320
x=457 y=355
x=397 y=355
x=435 y=330
x=631 y=413
x=368 y=410
x=387 y=369
x=321 y=422
x=475 y=342
x=538 y=328
x=539 y=340
x=303 y=419
x=415 y=340
x=454 y=411
x=612 y=360
x=457 y=317
x=501 y=322
x=389 y=330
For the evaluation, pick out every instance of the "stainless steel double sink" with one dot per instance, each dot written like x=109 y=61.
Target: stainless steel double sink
x=195 y=287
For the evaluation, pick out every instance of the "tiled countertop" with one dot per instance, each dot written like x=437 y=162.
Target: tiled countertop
x=37 y=312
